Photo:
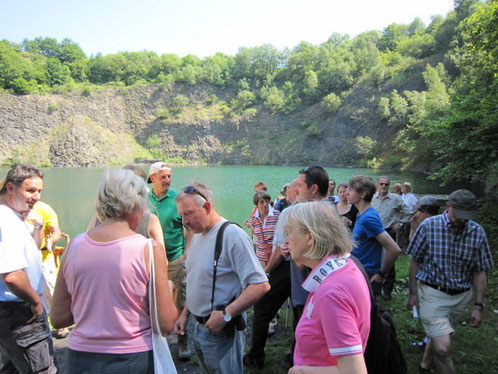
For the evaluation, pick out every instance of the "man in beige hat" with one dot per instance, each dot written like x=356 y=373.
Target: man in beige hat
x=450 y=258
x=162 y=201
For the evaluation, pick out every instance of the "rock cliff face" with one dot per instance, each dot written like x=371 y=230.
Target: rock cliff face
x=112 y=126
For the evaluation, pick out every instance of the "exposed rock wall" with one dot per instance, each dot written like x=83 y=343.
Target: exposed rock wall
x=108 y=126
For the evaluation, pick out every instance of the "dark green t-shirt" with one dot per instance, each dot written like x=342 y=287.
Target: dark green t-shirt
x=171 y=223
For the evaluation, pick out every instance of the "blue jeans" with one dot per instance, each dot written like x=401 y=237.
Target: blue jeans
x=218 y=354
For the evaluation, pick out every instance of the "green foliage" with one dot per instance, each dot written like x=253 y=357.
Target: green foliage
x=274 y=98
x=383 y=109
x=366 y=146
x=179 y=103
x=163 y=114
x=243 y=100
x=57 y=73
x=466 y=138
x=418 y=46
x=331 y=103
x=153 y=145
x=52 y=107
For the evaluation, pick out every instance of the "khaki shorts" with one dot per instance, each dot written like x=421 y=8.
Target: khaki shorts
x=178 y=275
x=439 y=312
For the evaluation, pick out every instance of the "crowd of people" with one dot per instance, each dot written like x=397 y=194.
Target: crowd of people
x=210 y=271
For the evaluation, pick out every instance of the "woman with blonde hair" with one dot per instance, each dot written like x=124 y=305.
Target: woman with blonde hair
x=333 y=331
x=102 y=286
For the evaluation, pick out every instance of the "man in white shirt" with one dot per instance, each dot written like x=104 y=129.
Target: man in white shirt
x=24 y=332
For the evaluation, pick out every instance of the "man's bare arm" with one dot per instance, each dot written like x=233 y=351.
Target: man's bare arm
x=479 y=288
x=248 y=297
x=18 y=282
x=413 y=294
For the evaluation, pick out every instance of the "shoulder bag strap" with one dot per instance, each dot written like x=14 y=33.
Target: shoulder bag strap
x=217 y=252
x=152 y=290
x=364 y=272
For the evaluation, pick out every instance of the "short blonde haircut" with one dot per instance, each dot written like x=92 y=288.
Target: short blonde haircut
x=330 y=235
x=120 y=193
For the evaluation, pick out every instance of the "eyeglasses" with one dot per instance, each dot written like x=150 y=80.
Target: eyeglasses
x=384 y=184
x=191 y=190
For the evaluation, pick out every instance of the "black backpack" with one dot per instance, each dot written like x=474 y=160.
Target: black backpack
x=383 y=353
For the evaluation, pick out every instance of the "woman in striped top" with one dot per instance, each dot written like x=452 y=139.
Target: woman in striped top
x=263 y=223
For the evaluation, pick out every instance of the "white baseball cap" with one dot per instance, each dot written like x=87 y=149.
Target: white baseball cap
x=155 y=167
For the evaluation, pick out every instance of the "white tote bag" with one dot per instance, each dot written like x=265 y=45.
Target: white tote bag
x=163 y=362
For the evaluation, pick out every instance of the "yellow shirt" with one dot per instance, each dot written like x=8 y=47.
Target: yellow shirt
x=49 y=217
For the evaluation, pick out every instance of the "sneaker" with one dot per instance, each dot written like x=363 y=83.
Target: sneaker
x=255 y=363
x=183 y=350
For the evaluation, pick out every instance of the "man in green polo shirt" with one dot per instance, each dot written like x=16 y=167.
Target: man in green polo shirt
x=162 y=200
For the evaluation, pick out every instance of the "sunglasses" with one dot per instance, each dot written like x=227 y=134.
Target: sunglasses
x=308 y=170
x=191 y=190
x=384 y=184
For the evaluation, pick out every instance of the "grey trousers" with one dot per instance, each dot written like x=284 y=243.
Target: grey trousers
x=26 y=348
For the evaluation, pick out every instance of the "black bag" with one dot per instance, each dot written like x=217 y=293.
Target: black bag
x=383 y=353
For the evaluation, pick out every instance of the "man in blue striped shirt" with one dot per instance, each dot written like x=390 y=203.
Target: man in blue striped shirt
x=450 y=257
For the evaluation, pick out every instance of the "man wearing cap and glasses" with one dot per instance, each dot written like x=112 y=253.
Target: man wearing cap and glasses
x=162 y=200
x=450 y=258
x=218 y=292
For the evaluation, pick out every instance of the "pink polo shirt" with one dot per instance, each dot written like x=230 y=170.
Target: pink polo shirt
x=336 y=318
x=109 y=298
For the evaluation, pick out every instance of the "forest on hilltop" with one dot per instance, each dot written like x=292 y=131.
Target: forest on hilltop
x=434 y=86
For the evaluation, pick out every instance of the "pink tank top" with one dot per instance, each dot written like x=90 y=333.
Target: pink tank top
x=108 y=282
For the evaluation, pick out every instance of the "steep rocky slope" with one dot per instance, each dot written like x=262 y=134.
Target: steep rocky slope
x=112 y=125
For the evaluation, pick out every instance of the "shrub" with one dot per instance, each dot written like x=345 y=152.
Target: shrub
x=52 y=107
x=163 y=114
x=331 y=103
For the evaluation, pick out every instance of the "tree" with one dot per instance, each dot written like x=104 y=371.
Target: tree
x=391 y=36
x=331 y=103
x=57 y=73
x=467 y=137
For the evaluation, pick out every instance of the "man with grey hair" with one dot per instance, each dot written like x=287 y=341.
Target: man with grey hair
x=394 y=213
x=24 y=332
x=450 y=257
x=219 y=293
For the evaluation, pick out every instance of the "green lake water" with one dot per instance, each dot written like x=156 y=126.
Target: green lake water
x=71 y=191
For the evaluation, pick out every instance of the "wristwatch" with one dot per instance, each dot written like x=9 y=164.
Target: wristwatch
x=481 y=305
x=382 y=274
x=227 y=317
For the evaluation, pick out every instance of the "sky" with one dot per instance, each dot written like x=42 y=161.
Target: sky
x=203 y=27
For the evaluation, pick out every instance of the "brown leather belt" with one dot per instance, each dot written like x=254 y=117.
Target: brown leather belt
x=446 y=290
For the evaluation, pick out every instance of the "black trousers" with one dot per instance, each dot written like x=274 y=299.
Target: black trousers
x=391 y=275
x=267 y=307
